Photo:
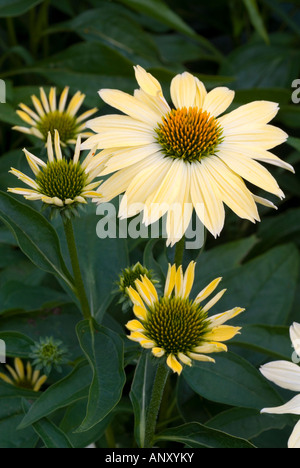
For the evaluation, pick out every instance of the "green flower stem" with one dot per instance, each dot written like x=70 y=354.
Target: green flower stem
x=79 y=285
x=155 y=402
x=179 y=251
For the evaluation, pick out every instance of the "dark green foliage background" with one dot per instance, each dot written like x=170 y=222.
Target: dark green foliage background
x=250 y=46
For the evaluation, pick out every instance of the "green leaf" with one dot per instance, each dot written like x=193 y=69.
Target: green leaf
x=220 y=261
x=100 y=262
x=104 y=351
x=11 y=413
x=265 y=286
x=59 y=323
x=158 y=10
x=114 y=26
x=263 y=66
x=16 y=7
x=256 y=19
x=35 y=235
x=294 y=143
x=195 y=435
x=16 y=296
x=51 y=435
x=231 y=380
x=17 y=344
x=70 y=389
x=8 y=115
x=283 y=228
x=247 y=423
x=282 y=12
x=74 y=415
x=271 y=340
x=84 y=67
x=140 y=394
x=150 y=262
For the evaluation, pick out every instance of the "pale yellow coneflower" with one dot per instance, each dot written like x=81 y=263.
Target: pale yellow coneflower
x=23 y=377
x=49 y=115
x=175 y=327
x=60 y=182
x=176 y=159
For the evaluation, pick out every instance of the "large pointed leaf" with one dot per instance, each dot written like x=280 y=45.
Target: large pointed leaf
x=35 y=235
x=17 y=344
x=16 y=7
x=63 y=393
x=195 y=435
x=231 y=380
x=104 y=350
x=101 y=260
x=265 y=286
x=51 y=435
x=140 y=394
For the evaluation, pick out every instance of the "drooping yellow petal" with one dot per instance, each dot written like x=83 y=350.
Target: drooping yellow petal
x=135 y=325
x=211 y=347
x=184 y=359
x=174 y=364
x=201 y=357
x=158 y=352
x=222 y=333
x=147 y=344
x=138 y=336
x=207 y=291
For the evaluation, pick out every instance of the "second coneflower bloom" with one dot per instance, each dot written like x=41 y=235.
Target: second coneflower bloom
x=23 y=377
x=171 y=160
x=48 y=115
x=175 y=327
x=60 y=182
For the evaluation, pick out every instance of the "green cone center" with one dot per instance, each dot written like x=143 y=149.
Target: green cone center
x=176 y=325
x=62 y=179
x=64 y=123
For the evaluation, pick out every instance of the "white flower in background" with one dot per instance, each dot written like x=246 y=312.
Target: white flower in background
x=287 y=375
